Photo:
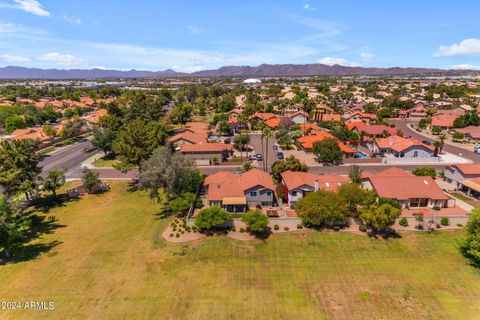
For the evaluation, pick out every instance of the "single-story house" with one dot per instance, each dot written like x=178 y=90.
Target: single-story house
x=261 y=116
x=297 y=184
x=401 y=147
x=443 y=120
x=207 y=151
x=238 y=192
x=298 y=117
x=308 y=141
x=410 y=191
x=361 y=116
x=416 y=112
x=471 y=133
x=375 y=131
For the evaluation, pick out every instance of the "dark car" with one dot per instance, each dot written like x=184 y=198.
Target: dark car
x=259 y=157
x=280 y=156
x=227 y=141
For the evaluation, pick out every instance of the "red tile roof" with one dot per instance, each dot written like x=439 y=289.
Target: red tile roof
x=400 y=144
x=473 y=168
x=330 y=117
x=205 y=147
x=262 y=115
x=376 y=129
x=294 y=180
x=407 y=187
x=443 y=120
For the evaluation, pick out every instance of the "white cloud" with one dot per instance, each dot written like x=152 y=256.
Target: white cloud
x=193 y=29
x=465 y=67
x=66 y=60
x=367 y=56
x=31 y=6
x=467 y=47
x=330 y=61
x=308 y=7
x=72 y=19
x=13 y=59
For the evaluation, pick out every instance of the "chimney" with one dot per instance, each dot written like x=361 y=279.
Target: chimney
x=315 y=186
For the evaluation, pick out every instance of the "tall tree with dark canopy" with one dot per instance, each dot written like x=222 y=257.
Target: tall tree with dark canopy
x=19 y=168
x=328 y=151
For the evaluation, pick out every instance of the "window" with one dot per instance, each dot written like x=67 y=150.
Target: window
x=269 y=193
x=294 y=193
x=253 y=193
x=415 y=154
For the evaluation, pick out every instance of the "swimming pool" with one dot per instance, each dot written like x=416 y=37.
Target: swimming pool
x=360 y=155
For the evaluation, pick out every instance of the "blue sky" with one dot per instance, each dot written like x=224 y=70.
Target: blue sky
x=195 y=35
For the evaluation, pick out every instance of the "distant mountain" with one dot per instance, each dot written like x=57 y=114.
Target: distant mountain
x=264 y=70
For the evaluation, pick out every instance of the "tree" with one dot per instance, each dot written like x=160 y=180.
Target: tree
x=289 y=164
x=458 y=136
x=210 y=218
x=182 y=203
x=323 y=209
x=168 y=173
x=54 y=180
x=436 y=130
x=14 y=229
x=224 y=128
x=267 y=134
x=470 y=246
x=328 y=151
x=19 y=168
x=239 y=143
x=73 y=128
x=283 y=137
x=422 y=124
x=14 y=122
x=136 y=142
x=354 y=196
x=355 y=174
x=90 y=179
x=104 y=136
x=379 y=218
x=256 y=221
x=425 y=171
x=50 y=131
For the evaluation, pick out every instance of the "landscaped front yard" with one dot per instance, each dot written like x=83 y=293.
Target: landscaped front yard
x=111 y=262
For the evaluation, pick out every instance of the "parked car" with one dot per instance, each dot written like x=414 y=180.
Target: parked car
x=280 y=156
x=476 y=148
x=427 y=142
x=252 y=157
x=259 y=157
x=227 y=141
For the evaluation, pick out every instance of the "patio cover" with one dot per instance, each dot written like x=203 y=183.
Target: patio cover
x=471 y=184
x=234 y=200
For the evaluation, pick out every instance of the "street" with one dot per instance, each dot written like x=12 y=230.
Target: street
x=268 y=154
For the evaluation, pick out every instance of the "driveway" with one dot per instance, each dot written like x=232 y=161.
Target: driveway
x=256 y=143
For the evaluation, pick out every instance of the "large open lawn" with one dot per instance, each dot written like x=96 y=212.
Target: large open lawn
x=110 y=262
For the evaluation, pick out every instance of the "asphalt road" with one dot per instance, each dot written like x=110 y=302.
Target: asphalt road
x=69 y=157
x=407 y=131
x=256 y=142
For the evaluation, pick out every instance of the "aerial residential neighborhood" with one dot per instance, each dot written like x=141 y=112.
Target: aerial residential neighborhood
x=251 y=160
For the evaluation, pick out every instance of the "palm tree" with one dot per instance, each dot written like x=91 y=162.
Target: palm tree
x=262 y=126
x=267 y=133
x=437 y=144
x=442 y=139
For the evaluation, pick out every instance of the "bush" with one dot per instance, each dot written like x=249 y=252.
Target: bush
x=299 y=226
x=194 y=228
x=177 y=235
x=362 y=228
x=436 y=208
x=188 y=229
x=459 y=225
x=445 y=221
x=336 y=228
x=419 y=226
x=276 y=227
x=256 y=221
x=210 y=218
x=403 y=222
x=439 y=226
x=242 y=230
x=286 y=228
x=171 y=235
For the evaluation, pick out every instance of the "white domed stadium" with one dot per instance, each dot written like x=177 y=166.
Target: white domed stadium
x=252 y=81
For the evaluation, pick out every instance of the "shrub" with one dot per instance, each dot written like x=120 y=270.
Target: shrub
x=188 y=229
x=436 y=208
x=299 y=226
x=445 y=221
x=336 y=228
x=177 y=235
x=419 y=226
x=242 y=230
x=276 y=227
x=194 y=228
x=211 y=217
x=362 y=228
x=403 y=222
x=459 y=225
x=286 y=228
x=182 y=232
x=439 y=226
x=171 y=235
x=256 y=221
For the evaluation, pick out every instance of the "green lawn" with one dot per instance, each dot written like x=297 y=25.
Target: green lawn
x=110 y=262
x=104 y=162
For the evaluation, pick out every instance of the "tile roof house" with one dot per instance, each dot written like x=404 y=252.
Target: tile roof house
x=409 y=191
x=297 y=184
x=261 y=116
x=320 y=135
x=472 y=133
x=401 y=147
x=365 y=117
x=207 y=151
x=443 y=120
x=298 y=117
x=375 y=130
x=416 y=112
x=236 y=193
x=458 y=174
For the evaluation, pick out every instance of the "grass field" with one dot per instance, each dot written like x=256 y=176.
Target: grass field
x=108 y=261
x=471 y=201
x=104 y=162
